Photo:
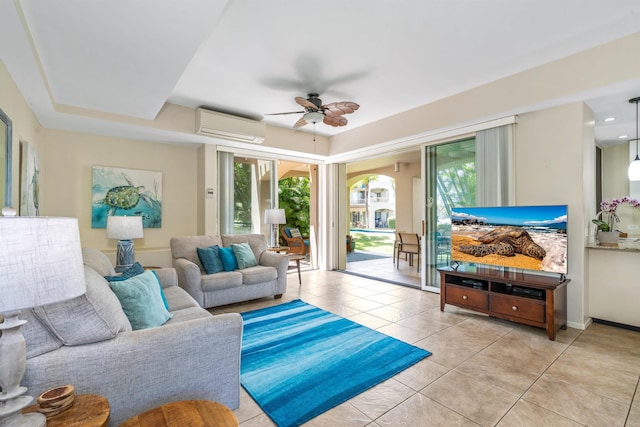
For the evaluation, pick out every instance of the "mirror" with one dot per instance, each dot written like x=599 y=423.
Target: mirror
x=6 y=142
x=615 y=184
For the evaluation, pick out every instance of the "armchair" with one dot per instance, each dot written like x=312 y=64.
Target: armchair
x=297 y=244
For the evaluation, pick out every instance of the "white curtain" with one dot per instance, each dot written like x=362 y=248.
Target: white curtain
x=226 y=186
x=494 y=166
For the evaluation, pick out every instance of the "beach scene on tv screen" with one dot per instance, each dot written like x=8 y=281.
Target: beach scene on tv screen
x=527 y=237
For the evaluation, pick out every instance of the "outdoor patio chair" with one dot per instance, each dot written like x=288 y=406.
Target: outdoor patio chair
x=295 y=241
x=409 y=245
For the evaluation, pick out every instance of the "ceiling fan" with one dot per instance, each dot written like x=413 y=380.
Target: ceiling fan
x=314 y=112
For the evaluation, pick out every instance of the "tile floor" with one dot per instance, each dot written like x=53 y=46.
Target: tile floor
x=385 y=267
x=483 y=371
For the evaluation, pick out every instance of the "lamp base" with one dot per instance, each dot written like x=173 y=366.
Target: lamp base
x=274 y=235
x=24 y=420
x=124 y=255
x=13 y=358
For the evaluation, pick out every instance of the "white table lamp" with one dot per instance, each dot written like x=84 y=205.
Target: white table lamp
x=274 y=217
x=40 y=263
x=124 y=228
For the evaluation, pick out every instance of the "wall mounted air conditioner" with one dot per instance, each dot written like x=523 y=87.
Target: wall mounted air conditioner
x=225 y=126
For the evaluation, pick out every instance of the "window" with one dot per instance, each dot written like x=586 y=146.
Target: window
x=247 y=187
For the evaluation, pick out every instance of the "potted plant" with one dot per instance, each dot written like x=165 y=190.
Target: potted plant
x=606 y=218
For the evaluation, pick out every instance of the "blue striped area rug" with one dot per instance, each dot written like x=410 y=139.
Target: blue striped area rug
x=299 y=361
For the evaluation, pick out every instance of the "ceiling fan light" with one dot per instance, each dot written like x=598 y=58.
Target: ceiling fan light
x=314 y=117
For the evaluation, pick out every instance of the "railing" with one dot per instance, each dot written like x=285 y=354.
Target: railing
x=382 y=199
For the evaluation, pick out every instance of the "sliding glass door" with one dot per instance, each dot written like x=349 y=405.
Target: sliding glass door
x=450 y=172
x=476 y=171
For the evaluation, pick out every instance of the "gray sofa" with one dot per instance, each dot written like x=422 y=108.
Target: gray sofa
x=268 y=278
x=88 y=342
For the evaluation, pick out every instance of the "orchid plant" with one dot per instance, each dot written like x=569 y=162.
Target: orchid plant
x=607 y=216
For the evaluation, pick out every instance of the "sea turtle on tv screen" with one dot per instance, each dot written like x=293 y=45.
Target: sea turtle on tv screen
x=126 y=196
x=507 y=240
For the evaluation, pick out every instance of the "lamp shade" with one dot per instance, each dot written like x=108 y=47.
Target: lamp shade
x=40 y=262
x=124 y=227
x=274 y=216
x=313 y=117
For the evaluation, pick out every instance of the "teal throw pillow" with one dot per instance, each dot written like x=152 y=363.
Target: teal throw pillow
x=244 y=255
x=164 y=297
x=210 y=259
x=229 y=260
x=134 y=270
x=141 y=300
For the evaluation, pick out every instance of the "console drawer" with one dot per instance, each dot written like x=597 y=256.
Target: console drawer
x=522 y=308
x=467 y=297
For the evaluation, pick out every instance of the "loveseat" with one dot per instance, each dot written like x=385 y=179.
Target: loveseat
x=88 y=341
x=267 y=278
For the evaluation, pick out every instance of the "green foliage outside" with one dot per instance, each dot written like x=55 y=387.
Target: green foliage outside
x=294 y=197
x=242 y=198
x=374 y=242
x=457 y=187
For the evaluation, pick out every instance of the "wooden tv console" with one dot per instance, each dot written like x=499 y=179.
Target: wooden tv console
x=520 y=297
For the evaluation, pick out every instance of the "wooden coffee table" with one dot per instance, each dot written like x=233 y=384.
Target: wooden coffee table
x=185 y=413
x=88 y=410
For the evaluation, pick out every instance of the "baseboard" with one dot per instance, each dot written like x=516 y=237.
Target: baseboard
x=581 y=326
x=617 y=325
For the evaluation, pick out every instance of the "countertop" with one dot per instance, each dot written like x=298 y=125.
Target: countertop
x=626 y=245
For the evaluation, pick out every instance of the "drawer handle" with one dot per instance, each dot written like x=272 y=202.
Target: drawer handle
x=514 y=308
x=465 y=297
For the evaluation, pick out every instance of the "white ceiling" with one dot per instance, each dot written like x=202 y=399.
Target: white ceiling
x=251 y=57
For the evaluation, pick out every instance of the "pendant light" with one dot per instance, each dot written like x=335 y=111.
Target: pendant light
x=634 y=167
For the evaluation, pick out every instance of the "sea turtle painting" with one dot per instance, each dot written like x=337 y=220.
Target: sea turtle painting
x=119 y=191
x=126 y=196
x=505 y=241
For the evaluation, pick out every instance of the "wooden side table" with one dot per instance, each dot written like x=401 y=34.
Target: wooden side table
x=88 y=410
x=297 y=258
x=185 y=413
x=279 y=249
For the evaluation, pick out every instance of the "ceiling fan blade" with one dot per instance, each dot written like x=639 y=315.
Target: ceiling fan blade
x=306 y=103
x=340 y=108
x=335 y=121
x=300 y=123
x=290 y=112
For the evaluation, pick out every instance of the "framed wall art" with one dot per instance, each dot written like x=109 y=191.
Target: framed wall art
x=29 y=180
x=118 y=191
x=5 y=158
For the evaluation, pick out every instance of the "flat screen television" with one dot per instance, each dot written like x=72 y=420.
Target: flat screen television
x=525 y=237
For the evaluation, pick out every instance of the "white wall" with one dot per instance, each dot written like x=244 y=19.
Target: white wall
x=67 y=159
x=551 y=167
